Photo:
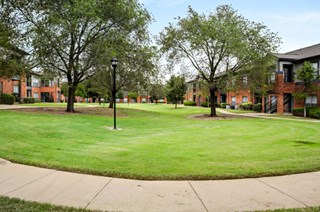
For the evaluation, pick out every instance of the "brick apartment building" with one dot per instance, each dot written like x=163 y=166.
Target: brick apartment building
x=41 y=88
x=280 y=98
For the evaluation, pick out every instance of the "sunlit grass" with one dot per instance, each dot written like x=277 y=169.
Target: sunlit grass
x=160 y=142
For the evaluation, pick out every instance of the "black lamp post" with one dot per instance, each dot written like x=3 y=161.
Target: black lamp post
x=114 y=63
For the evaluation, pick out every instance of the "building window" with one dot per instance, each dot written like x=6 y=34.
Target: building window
x=233 y=100
x=312 y=101
x=29 y=84
x=35 y=82
x=1 y=87
x=125 y=100
x=46 y=83
x=244 y=99
x=16 y=89
x=36 y=96
x=272 y=77
x=244 y=80
x=316 y=69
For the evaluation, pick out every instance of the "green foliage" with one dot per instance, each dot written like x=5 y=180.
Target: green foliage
x=299 y=111
x=133 y=95
x=257 y=107
x=175 y=89
x=246 y=106
x=205 y=104
x=156 y=92
x=189 y=103
x=15 y=204
x=7 y=99
x=217 y=39
x=28 y=100
x=218 y=105
x=306 y=75
x=223 y=105
x=314 y=113
x=81 y=90
x=70 y=37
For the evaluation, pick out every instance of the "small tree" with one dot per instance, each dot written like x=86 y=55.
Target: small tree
x=156 y=92
x=306 y=75
x=175 y=89
x=132 y=95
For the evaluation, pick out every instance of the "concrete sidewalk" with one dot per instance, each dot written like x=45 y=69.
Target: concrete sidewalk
x=113 y=194
x=11 y=107
x=268 y=116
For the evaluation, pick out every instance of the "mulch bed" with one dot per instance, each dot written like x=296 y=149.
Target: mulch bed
x=220 y=117
x=98 y=111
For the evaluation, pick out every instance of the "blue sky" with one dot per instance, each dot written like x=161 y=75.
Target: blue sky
x=297 y=22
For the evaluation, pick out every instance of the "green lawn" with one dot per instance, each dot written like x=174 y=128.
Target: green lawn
x=159 y=142
x=14 y=204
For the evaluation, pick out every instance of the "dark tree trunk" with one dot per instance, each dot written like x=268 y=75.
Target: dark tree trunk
x=70 y=104
x=111 y=103
x=213 y=102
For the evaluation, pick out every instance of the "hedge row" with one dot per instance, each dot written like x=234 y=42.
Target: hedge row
x=246 y=106
x=312 y=112
x=189 y=103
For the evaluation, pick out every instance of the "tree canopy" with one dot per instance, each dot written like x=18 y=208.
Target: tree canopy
x=219 y=44
x=306 y=74
x=65 y=36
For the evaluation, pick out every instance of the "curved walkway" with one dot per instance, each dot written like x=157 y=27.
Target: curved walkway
x=113 y=194
x=268 y=116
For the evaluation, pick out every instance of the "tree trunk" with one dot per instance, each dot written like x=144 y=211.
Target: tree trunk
x=156 y=101
x=70 y=104
x=111 y=103
x=213 y=112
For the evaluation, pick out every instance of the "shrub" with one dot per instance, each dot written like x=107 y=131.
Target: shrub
x=257 y=107
x=246 y=106
x=189 y=103
x=28 y=100
x=205 y=104
x=218 y=105
x=314 y=112
x=7 y=99
x=223 y=105
x=299 y=111
x=232 y=107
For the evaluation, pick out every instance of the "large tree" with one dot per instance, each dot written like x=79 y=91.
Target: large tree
x=217 y=44
x=61 y=35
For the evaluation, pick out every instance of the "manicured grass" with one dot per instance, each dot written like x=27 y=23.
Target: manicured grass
x=14 y=204
x=160 y=142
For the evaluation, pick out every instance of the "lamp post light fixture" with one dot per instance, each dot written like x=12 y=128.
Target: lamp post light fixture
x=114 y=63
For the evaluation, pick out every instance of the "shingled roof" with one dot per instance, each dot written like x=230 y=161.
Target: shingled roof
x=303 y=53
